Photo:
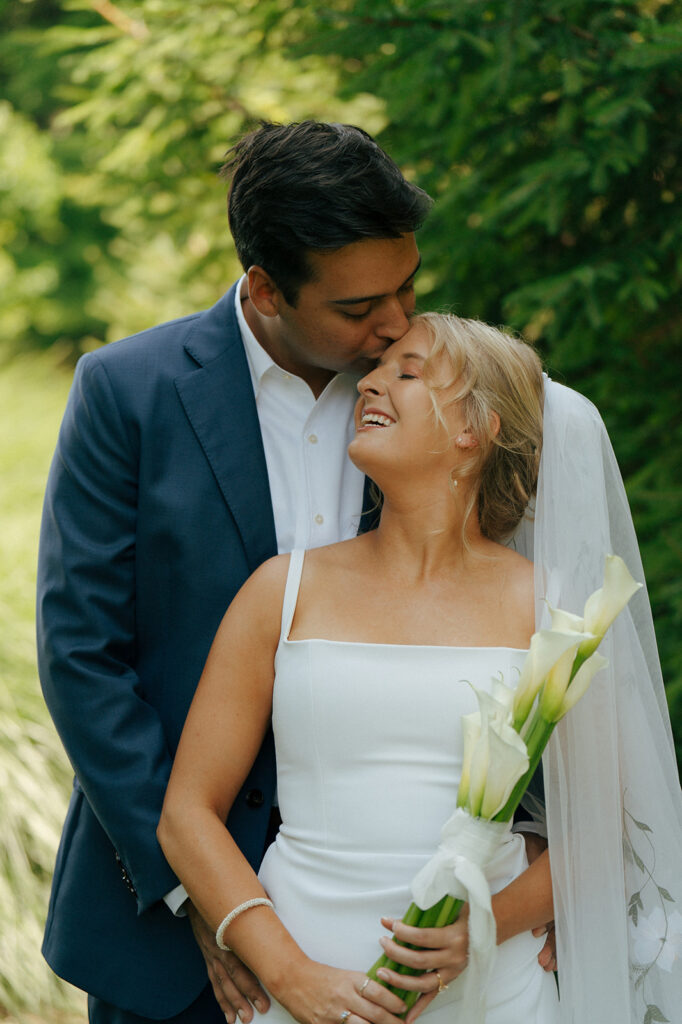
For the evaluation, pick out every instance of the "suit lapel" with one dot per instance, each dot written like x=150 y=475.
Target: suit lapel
x=219 y=402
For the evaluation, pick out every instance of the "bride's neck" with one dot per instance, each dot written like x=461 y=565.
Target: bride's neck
x=427 y=537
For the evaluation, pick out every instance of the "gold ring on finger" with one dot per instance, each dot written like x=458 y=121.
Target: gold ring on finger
x=363 y=986
x=441 y=986
x=344 y=1017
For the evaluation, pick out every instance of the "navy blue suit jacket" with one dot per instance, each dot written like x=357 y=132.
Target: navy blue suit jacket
x=157 y=509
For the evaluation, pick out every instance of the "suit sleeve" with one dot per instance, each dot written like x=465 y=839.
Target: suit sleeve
x=86 y=629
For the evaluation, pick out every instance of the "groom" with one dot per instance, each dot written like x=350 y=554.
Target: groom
x=188 y=455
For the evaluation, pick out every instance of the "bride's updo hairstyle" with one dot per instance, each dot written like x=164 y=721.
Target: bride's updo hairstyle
x=491 y=372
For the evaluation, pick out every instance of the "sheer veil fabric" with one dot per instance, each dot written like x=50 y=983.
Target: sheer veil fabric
x=614 y=808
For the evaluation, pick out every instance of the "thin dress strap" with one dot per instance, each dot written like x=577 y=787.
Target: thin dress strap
x=291 y=590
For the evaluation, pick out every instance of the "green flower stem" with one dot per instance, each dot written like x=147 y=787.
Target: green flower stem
x=412 y=917
x=450 y=909
x=445 y=912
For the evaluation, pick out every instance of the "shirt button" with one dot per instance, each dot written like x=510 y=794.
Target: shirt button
x=255 y=798
x=319 y=519
x=312 y=438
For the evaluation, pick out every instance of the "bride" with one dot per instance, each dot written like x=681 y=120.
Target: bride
x=361 y=653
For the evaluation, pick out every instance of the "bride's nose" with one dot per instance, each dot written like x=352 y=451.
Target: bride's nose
x=371 y=383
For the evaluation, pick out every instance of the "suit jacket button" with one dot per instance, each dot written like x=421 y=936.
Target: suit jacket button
x=255 y=798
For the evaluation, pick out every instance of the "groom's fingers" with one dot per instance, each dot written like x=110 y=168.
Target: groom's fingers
x=247 y=987
x=232 y=1000
x=235 y=987
x=547 y=955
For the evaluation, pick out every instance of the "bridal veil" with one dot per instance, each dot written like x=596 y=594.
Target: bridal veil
x=614 y=808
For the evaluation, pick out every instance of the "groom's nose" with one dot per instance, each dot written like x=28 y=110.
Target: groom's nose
x=395 y=318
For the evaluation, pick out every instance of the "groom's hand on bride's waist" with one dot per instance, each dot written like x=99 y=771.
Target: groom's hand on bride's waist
x=535 y=845
x=235 y=987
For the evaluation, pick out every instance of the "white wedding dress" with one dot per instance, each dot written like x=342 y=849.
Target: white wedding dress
x=369 y=747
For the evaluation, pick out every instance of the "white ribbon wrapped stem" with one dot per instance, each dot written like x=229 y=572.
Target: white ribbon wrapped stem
x=458 y=869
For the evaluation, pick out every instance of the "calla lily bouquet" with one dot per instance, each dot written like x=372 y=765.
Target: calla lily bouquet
x=503 y=743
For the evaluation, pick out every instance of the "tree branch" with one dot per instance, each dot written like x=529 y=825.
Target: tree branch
x=111 y=13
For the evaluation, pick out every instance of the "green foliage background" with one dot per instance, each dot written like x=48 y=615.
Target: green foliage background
x=548 y=132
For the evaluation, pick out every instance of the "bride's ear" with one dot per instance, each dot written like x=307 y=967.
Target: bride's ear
x=466 y=439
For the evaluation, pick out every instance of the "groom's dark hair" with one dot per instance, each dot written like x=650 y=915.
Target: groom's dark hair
x=312 y=186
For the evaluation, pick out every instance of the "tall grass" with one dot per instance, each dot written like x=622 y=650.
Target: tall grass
x=34 y=774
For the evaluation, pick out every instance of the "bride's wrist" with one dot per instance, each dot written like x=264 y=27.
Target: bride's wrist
x=286 y=973
x=288 y=980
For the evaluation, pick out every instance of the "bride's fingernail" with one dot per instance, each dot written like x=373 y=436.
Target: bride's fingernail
x=381 y=973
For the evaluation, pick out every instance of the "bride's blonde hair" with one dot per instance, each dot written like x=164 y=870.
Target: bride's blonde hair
x=491 y=372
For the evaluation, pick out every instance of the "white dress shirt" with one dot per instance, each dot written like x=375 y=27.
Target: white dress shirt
x=316 y=491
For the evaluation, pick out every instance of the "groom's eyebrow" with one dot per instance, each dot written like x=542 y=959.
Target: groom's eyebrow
x=371 y=298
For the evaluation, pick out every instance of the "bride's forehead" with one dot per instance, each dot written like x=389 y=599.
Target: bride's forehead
x=419 y=337
x=417 y=341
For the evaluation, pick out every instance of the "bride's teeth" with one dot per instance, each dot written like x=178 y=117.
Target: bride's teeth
x=382 y=421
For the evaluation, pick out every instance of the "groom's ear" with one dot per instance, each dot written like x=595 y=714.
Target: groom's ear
x=263 y=292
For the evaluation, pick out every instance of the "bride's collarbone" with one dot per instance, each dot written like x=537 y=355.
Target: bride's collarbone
x=381 y=615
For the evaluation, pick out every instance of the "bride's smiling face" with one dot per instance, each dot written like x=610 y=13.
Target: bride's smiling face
x=395 y=422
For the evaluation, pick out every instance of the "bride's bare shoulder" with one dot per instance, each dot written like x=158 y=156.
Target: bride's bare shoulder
x=518 y=585
x=509 y=569
x=270 y=578
x=334 y=559
x=518 y=563
x=260 y=598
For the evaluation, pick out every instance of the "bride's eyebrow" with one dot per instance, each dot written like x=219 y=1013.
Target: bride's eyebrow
x=403 y=356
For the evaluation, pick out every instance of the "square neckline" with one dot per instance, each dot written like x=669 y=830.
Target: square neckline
x=419 y=647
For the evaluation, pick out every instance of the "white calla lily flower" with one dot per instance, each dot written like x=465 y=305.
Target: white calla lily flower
x=504 y=695
x=546 y=648
x=602 y=607
x=581 y=681
x=471 y=730
x=492 y=709
x=478 y=765
x=508 y=760
x=494 y=756
x=556 y=685
x=566 y=621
